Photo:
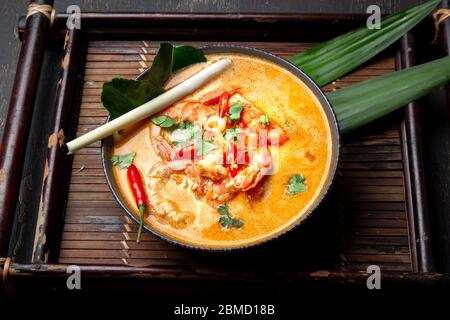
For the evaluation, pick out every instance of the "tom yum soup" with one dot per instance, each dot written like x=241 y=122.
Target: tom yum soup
x=237 y=162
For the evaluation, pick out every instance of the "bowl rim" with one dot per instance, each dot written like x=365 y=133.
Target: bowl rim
x=335 y=140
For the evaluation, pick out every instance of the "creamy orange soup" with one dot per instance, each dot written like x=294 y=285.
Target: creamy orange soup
x=288 y=103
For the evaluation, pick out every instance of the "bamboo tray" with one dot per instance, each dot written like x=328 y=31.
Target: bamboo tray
x=376 y=213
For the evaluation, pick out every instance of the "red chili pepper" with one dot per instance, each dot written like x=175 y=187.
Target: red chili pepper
x=230 y=155
x=224 y=104
x=235 y=158
x=211 y=98
x=134 y=178
x=246 y=158
x=234 y=170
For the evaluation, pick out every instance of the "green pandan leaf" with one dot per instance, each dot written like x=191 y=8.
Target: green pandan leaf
x=122 y=95
x=334 y=58
x=368 y=100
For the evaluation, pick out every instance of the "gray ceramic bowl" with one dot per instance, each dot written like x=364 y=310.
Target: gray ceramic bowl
x=107 y=147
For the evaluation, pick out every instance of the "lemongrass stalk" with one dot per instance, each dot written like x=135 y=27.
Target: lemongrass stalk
x=151 y=107
x=371 y=99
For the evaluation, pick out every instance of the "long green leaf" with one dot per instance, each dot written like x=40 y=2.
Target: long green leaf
x=366 y=101
x=119 y=96
x=332 y=59
x=171 y=58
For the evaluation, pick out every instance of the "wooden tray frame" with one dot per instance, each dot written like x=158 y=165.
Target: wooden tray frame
x=16 y=275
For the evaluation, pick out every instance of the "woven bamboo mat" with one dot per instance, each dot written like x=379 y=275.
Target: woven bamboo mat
x=369 y=201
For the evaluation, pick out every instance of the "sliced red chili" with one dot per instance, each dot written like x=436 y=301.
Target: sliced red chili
x=230 y=155
x=234 y=170
x=211 y=98
x=246 y=158
x=224 y=104
x=235 y=158
x=187 y=152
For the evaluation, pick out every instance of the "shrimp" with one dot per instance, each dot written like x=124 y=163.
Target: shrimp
x=249 y=177
x=218 y=192
x=183 y=111
x=211 y=167
x=165 y=210
x=161 y=144
x=251 y=119
x=216 y=124
x=215 y=175
x=197 y=112
x=213 y=190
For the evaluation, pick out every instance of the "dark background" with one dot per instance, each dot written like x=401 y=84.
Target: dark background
x=435 y=121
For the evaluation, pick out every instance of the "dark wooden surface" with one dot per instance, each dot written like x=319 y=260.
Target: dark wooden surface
x=180 y=285
x=436 y=137
x=19 y=118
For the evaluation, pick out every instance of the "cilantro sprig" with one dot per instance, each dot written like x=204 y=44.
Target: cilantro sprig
x=185 y=133
x=296 y=184
x=226 y=220
x=164 y=121
x=123 y=161
x=235 y=111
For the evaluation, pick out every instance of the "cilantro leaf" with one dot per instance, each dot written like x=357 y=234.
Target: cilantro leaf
x=120 y=96
x=296 y=184
x=180 y=143
x=223 y=209
x=164 y=121
x=189 y=129
x=235 y=111
x=184 y=134
x=238 y=223
x=123 y=161
x=226 y=221
x=185 y=125
x=264 y=120
x=206 y=147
